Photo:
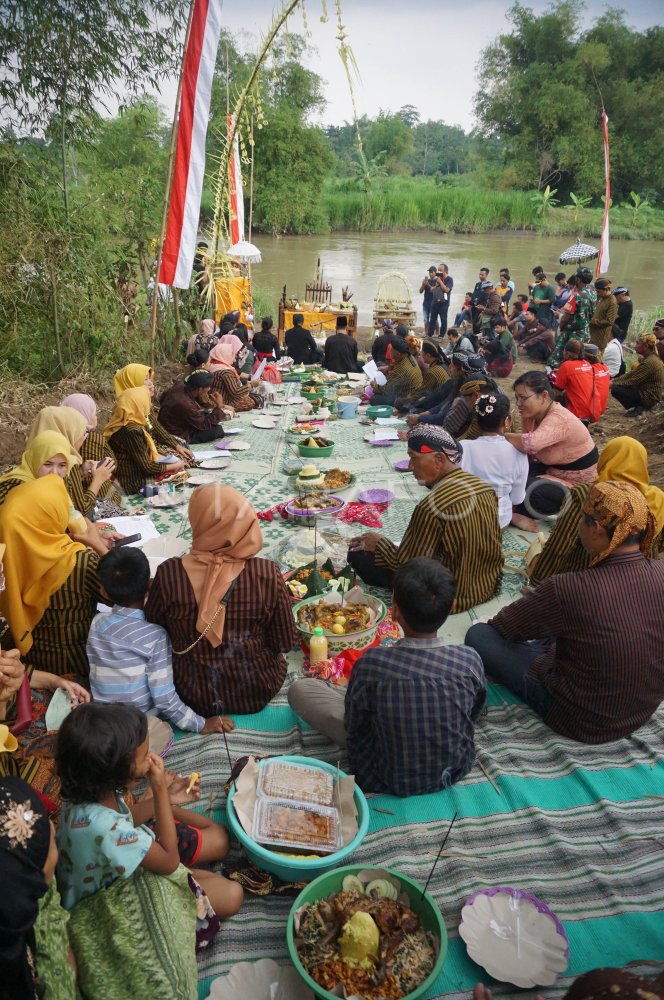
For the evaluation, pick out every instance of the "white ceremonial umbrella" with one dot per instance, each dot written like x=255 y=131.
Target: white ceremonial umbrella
x=245 y=252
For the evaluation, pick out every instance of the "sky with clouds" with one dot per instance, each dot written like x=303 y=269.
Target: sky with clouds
x=419 y=52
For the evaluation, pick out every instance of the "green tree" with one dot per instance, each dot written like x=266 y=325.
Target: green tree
x=390 y=135
x=292 y=157
x=539 y=94
x=61 y=60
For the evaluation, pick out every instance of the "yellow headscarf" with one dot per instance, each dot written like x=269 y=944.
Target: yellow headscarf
x=42 y=447
x=39 y=555
x=130 y=377
x=622 y=508
x=626 y=460
x=70 y=423
x=132 y=407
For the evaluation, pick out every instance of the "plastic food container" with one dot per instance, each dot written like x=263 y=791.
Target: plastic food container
x=300 y=869
x=280 y=780
x=297 y=826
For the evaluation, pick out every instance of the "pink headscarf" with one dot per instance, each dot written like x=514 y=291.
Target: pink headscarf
x=83 y=404
x=221 y=356
x=233 y=341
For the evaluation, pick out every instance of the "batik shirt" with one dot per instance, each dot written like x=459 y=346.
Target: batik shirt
x=97 y=845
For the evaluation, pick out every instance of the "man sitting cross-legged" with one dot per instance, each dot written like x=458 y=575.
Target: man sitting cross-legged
x=592 y=673
x=407 y=717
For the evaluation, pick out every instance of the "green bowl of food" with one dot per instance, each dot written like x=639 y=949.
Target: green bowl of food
x=379 y=411
x=396 y=934
x=316 y=448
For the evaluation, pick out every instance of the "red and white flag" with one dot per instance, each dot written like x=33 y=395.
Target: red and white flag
x=603 y=261
x=185 y=204
x=235 y=192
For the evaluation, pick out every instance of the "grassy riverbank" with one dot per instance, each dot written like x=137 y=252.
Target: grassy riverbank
x=458 y=206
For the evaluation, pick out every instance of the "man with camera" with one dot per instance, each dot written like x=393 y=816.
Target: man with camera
x=440 y=305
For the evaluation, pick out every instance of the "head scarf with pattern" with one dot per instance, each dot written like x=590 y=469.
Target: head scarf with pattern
x=70 y=423
x=131 y=377
x=25 y=839
x=83 y=404
x=621 y=508
x=470 y=364
x=39 y=555
x=472 y=385
x=133 y=407
x=427 y=438
x=44 y=446
x=624 y=459
x=225 y=533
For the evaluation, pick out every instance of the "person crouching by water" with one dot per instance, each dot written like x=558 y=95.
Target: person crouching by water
x=456 y=524
x=563 y=649
x=420 y=685
x=192 y=409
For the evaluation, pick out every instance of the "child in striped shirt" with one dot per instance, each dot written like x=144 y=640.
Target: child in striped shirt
x=130 y=658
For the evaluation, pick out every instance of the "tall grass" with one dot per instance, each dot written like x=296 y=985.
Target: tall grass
x=459 y=206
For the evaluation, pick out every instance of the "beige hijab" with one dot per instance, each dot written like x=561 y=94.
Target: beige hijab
x=225 y=533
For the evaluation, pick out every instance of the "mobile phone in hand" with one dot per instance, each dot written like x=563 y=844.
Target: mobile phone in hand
x=127 y=540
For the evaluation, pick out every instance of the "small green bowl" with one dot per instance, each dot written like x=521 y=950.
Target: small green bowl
x=379 y=411
x=307 y=452
x=428 y=912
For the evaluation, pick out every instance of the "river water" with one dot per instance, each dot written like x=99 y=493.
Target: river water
x=360 y=259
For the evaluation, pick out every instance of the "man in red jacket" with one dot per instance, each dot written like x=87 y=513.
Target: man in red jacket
x=584 y=380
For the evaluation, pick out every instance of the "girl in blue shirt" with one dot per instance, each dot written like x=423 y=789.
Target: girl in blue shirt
x=103 y=751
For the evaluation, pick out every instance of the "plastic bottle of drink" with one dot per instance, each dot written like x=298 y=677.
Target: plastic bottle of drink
x=317 y=646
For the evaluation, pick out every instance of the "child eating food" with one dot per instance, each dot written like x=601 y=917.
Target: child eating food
x=102 y=751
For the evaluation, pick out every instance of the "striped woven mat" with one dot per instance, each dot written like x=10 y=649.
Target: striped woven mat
x=578 y=826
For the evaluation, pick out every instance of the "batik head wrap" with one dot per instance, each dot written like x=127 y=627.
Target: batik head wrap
x=428 y=438
x=621 y=508
x=25 y=839
x=626 y=460
x=471 y=386
x=649 y=339
x=470 y=364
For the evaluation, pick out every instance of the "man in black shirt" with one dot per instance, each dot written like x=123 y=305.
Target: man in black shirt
x=300 y=345
x=625 y=310
x=341 y=350
x=479 y=298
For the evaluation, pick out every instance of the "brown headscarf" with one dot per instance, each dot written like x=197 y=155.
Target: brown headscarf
x=623 y=508
x=225 y=533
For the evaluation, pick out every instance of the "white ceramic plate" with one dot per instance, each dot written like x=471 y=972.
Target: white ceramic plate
x=238 y=446
x=232 y=430
x=165 y=501
x=215 y=463
x=258 y=980
x=202 y=480
x=514 y=936
x=281 y=402
x=264 y=423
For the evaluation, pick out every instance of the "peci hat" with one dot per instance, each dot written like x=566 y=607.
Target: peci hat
x=486 y=284
x=199 y=379
x=591 y=349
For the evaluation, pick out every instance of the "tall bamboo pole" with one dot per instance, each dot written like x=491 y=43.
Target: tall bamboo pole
x=167 y=192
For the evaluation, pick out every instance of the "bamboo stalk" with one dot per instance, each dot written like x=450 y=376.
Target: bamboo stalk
x=167 y=192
